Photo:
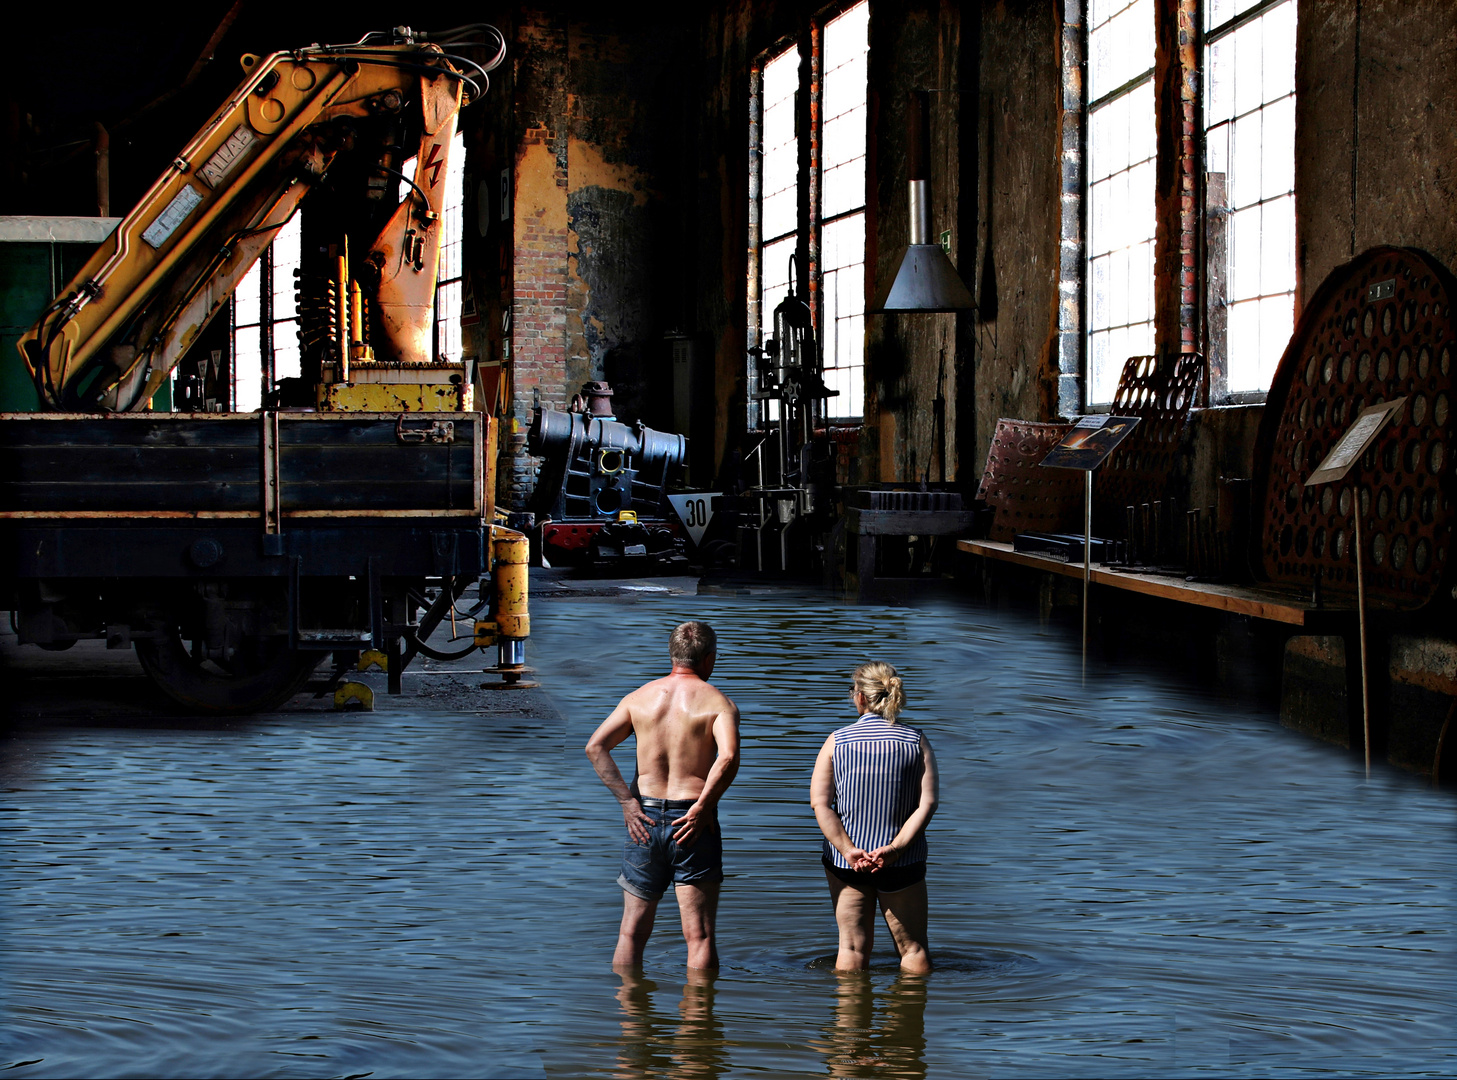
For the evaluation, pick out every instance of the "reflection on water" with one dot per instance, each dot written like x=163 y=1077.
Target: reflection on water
x=1126 y=878
x=689 y=1044
x=876 y=1032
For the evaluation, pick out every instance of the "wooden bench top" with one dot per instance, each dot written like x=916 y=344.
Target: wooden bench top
x=1260 y=601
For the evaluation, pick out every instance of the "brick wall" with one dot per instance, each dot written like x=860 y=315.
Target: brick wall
x=1176 y=247
x=1070 y=277
x=538 y=324
x=539 y=244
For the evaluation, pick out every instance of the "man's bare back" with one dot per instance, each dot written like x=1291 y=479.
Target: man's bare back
x=687 y=754
x=675 y=720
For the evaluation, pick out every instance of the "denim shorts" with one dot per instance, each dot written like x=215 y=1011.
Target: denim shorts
x=648 y=868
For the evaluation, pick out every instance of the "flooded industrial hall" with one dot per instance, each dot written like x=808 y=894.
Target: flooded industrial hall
x=767 y=538
x=1127 y=877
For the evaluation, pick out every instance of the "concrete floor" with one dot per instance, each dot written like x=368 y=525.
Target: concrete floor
x=89 y=682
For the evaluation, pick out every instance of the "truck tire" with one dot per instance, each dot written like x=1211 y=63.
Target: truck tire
x=257 y=686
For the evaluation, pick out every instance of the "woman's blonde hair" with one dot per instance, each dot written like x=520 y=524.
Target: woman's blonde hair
x=881 y=687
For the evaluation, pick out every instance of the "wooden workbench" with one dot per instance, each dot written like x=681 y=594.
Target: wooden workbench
x=1282 y=605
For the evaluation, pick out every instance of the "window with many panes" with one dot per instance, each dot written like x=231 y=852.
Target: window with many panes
x=1246 y=77
x=1121 y=150
x=777 y=206
x=265 y=321
x=836 y=202
x=1249 y=156
x=845 y=51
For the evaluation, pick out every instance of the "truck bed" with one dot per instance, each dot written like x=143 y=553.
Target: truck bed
x=273 y=466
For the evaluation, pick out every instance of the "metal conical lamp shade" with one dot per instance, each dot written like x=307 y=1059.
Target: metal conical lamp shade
x=926 y=281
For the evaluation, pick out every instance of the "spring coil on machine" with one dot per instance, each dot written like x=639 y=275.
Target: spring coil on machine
x=317 y=297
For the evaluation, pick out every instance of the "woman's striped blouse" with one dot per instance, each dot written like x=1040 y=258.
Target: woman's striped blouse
x=878 y=768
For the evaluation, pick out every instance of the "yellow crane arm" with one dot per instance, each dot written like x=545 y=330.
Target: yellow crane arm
x=116 y=331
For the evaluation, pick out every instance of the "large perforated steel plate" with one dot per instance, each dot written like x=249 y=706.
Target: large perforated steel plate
x=1025 y=496
x=1380 y=327
x=1138 y=471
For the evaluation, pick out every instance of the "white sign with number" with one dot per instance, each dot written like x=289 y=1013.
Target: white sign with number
x=695 y=511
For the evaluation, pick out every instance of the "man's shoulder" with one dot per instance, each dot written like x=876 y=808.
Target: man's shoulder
x=652 y=690
x=719 y=699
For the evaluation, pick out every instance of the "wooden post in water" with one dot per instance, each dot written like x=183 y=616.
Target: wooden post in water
x=1088 y=562
x=1355 y=475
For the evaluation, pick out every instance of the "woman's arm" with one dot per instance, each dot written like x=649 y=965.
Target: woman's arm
x=821 y=797
x=930 y=788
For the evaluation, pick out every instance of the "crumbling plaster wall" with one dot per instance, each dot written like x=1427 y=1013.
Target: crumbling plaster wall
x=633 y=136
x=599 y=121
x=919 y=368
x=1375 y=131
x=1018 y=248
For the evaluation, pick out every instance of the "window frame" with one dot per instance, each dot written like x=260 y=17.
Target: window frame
x=1211 y=217
x=1090 y=106
x=821 y=220
x=810 y=221
x=269 y=319
x=1190 y=310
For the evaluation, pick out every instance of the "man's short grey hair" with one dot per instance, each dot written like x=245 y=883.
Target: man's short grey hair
x=692 y=643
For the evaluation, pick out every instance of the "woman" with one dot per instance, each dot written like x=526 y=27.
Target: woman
x=873 y=792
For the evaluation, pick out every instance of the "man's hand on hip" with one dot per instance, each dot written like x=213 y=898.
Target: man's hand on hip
x=638 y=823
x=692 y=825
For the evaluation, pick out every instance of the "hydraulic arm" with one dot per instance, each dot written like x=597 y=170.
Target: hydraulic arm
x=119 y=328
x=235 y=550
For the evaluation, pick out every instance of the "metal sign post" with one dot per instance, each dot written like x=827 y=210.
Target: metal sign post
x=1087 y=561
x=1086 y=446
x=1338 y=464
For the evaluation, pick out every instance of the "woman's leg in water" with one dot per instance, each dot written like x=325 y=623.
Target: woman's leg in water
x=905 y=915
x=855 y=915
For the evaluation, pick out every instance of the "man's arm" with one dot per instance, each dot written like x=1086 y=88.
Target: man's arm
x=720 y=776
x=611 y=732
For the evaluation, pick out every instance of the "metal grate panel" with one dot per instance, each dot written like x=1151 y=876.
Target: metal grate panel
x=1379 y=327
x=1138 y=471
x=1025 y=496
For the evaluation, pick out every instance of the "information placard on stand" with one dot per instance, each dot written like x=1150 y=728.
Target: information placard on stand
x=1086 y=446
x=1338 y=464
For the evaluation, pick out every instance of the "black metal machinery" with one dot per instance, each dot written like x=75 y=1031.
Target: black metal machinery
x=793 y=471
x=601 y=493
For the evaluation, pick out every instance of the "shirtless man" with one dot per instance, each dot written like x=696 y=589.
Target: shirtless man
x=687 y=755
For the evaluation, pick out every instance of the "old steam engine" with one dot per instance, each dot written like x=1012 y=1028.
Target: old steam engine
x=601 y=494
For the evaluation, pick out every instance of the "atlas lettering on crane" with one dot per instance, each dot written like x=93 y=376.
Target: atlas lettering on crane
x=221 y=163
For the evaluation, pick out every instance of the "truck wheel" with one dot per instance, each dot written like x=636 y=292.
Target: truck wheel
x=255 y=685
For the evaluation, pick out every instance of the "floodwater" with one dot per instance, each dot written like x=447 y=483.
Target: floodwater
x=1126 y=879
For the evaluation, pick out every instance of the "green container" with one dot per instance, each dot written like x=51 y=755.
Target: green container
x=38 y=256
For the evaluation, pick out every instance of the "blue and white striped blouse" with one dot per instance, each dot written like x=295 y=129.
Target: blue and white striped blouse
x=878 y=769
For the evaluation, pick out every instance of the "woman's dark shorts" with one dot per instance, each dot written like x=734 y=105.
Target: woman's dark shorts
x=648 y=868
x=891 y=879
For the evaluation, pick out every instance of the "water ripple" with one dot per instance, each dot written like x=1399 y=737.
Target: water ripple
x=1127 y=878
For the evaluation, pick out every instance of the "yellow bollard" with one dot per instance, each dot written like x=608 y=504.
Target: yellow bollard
x=512 y=551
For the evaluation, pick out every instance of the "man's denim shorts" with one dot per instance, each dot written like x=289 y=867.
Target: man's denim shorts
x=648 y=868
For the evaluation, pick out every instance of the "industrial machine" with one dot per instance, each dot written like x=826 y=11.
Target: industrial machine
x=602 y=490
x=791 y=468
x=235 y=550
